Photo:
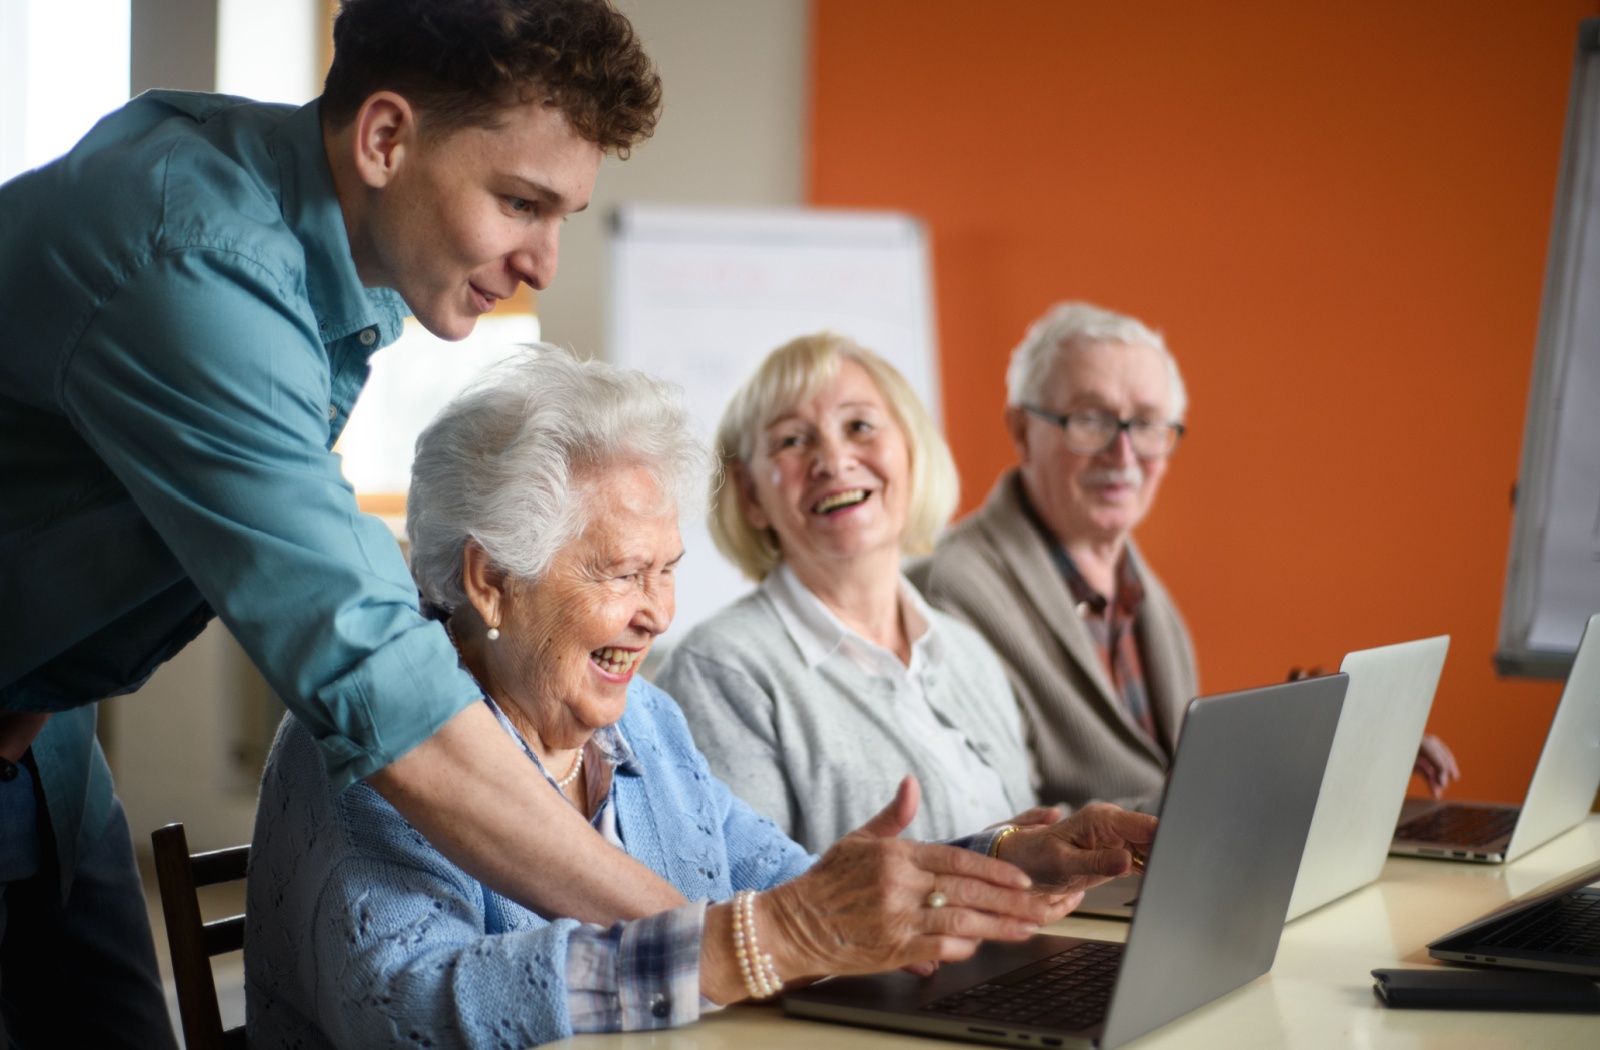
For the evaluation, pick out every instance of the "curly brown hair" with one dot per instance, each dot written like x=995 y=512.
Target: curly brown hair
x=460 y=62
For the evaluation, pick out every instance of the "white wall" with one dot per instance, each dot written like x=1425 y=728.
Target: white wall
x=267 y=49
x=732 y=132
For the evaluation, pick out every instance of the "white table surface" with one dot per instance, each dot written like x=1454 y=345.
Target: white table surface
x=1318 y=995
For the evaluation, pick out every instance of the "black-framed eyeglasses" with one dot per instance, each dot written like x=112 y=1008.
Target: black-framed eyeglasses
x=1091 y=433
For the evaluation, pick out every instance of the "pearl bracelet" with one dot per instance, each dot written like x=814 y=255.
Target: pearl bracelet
x=761 y=978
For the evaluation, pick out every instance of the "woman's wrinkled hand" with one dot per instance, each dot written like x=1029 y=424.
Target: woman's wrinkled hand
x=864 y=907
x=1094 y=845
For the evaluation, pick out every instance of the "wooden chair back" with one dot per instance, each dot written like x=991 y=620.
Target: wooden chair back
x=193 y=942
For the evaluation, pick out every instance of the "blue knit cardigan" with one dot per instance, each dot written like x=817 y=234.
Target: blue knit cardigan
x=359 y=933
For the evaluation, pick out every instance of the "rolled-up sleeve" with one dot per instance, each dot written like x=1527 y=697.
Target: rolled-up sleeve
x=980 y=841
x=205 y=388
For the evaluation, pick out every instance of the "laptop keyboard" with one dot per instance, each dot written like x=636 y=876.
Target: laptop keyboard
x=1459 y=825
x=1569 y=926
x=1069 y=990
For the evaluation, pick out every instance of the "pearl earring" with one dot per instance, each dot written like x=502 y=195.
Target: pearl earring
x=494 y=632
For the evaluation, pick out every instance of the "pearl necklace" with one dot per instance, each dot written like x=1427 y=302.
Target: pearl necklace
x=577 y=767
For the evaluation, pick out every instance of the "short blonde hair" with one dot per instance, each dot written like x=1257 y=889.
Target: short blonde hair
x=791 y=375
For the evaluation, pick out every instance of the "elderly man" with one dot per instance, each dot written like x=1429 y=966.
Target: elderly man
x=1046 y=568
x=1048 y=571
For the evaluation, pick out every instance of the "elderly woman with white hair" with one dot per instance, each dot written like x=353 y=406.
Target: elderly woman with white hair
x=543 y=519
x=812 y=695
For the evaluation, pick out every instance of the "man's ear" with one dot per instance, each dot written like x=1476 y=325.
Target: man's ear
x=383 y=136
x=484 y=583
x=1017 y=427
x=749 y=502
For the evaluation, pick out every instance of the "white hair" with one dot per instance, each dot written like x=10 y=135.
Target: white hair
x=509 y=462
x=1069 y=325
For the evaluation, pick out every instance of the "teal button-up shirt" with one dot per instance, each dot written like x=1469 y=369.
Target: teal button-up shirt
x=182 y=336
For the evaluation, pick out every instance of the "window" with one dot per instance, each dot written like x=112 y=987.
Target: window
x=63 y=66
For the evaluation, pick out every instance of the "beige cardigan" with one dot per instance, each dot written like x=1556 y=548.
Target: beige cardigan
x=994 y=571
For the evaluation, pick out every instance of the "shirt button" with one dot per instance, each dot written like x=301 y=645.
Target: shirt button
x=333 y=412
x=660 y=1006
x=8 y=773
x=369 y=336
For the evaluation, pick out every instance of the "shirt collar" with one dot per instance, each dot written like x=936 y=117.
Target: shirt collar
x=613 y=746
x=818 y=633
x=311 y=210
x=1130 y=589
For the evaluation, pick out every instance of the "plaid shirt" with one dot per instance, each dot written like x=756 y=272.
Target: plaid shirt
x=1111 y=623
x=1112 y=626
x=637 y=975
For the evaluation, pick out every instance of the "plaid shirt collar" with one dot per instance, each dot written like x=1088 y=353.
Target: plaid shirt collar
x=607 y=740
x=1130 y=589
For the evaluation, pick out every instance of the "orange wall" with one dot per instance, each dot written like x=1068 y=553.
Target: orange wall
x=1337 y=213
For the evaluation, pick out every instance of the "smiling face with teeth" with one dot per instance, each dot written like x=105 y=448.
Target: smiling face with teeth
x=572 y=640
x=831 y=478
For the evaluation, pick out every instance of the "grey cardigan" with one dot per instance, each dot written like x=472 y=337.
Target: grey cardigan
x=817 y=749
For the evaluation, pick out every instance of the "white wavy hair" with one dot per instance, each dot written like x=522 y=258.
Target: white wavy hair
x=510 y=461
x=1069 y=325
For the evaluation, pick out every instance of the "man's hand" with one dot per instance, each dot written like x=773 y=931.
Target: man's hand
x=1435 y=765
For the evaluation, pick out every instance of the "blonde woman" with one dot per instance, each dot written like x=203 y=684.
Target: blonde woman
x=815 y=693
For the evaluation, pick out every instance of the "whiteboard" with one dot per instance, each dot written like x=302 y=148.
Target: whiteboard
x=700 y=295
x=1553 y=576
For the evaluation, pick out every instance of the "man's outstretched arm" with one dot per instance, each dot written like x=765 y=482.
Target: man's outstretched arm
x=479 y=800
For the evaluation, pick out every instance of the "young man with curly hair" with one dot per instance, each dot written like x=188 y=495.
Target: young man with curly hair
x=188 y=301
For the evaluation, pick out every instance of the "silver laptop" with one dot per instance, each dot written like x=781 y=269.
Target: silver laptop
x=1559 y=796
x=1555 y=929
x=1241 y=794
x=1385 y=711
